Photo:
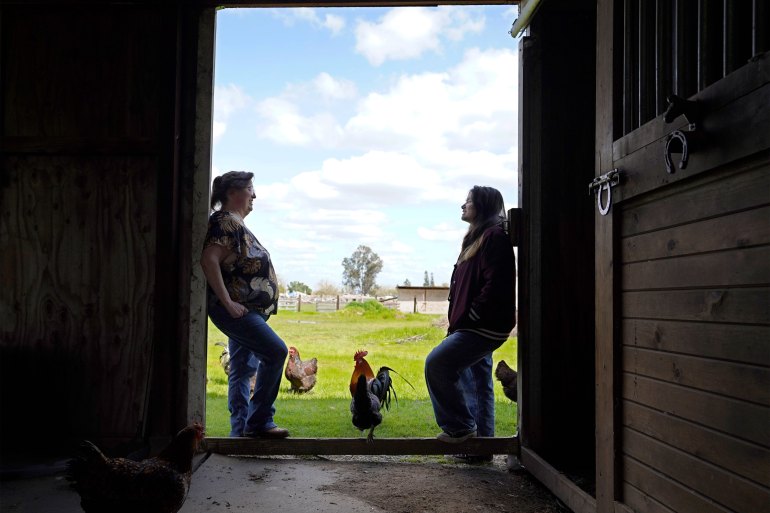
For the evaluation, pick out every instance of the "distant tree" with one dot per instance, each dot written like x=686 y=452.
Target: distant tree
x=298 y=286
x=432 y=283
x=361 y=269
x=407 y=283
x=426 y=281
x=326 y=288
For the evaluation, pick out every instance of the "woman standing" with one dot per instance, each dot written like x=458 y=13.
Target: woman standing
x=242 y=293
x=482 y=313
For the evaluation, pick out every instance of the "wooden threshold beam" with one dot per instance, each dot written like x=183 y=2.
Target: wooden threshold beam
x=576 y=499
x=358 y=446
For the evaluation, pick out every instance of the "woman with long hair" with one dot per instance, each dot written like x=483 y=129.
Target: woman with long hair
x=482 y=313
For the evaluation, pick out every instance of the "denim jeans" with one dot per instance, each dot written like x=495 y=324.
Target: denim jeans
x=445 y=367
x=243 y=365
x=252 y=333
x=479 y=392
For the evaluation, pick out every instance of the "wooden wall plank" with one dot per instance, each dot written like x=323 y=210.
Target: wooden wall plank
x=740 y=230
x=738 y=418
x=720 y=269
x=748 y=306
x=388 y=446
x=727 y=378
x=644 y=490
x=743 y=186
x=576 y=499
x=742 y=458
x=725 y=488
x=734 y=342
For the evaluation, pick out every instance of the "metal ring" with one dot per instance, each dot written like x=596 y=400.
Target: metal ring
x=603 y=209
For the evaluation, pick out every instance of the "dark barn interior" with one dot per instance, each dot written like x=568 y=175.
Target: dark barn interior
x=644 y=329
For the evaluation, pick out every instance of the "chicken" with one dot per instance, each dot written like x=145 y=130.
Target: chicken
x=119 y=485
x=224 y=361
x=224 y=358
x=370 y=393
x=508 y=378
x=301 y=375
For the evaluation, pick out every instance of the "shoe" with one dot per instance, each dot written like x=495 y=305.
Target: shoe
x=275 y=432
x=455 y=439
x=473 y=458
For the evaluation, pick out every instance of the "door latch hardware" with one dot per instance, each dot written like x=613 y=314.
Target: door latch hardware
x=602 y=183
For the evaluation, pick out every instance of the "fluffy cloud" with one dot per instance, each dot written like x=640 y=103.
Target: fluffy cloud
x=228 y=99
x=331 y=22
x=442 y=231
x=408 y=32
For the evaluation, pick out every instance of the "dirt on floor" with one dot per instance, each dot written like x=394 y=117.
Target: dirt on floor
x=439 y=484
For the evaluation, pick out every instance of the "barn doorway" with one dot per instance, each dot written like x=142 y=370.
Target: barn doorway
x=510 y=193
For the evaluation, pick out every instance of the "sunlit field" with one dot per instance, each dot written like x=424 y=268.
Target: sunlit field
x=397 y=340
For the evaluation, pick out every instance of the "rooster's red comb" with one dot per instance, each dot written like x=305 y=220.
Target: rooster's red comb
x=360 y=354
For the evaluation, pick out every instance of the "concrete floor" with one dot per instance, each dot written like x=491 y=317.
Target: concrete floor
x=221 y=483
x=293 y=485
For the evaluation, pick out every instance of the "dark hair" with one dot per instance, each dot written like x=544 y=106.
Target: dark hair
x=226 y=182
x=490 y=210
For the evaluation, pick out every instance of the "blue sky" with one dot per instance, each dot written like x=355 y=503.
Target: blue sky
x=366 y=126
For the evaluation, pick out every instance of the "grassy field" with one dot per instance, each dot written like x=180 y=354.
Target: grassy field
x=400 y=341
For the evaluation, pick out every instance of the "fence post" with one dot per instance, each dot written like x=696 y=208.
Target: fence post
x=299 y=303
x=338 y=301
x=414 y=309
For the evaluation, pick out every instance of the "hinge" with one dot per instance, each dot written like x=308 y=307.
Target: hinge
x=514 y=225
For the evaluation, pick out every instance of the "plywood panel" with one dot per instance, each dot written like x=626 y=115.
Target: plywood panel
x=79 y=270
x=727 y=378
x=740 y=230
x=748 y=344
x=725 y=488
x=86 y=71
x=743 y=458
x=738 y=418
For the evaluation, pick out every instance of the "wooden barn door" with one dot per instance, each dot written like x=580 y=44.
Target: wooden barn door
x=683 y=257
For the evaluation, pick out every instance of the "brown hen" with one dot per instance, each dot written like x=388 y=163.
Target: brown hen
x=120 y=485
x=301 y=375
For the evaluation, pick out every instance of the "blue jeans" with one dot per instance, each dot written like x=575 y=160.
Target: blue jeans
x=445 y=367
x=252 y=333
x=243 y=365
x=479 y=392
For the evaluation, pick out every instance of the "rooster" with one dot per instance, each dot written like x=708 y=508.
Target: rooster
x=119 y=485
x=370 y=393
x=507 y=377
x=301 y=375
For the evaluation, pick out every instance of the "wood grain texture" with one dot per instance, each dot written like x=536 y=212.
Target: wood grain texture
x=745 y=459
x=723 y=487
x=77 y=269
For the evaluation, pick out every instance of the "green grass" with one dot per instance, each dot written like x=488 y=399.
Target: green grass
x=400 y=341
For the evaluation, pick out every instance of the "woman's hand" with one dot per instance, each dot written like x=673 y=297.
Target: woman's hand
x=236 y=310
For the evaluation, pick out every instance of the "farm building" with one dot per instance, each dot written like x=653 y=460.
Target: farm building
x=431 y=300
x=644 y=305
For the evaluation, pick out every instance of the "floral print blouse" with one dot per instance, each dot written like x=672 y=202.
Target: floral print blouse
x=249 y=277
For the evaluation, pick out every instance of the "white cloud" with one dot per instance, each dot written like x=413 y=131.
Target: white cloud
x=442 y=231
x=228 y=99
x=408 y=32
x=331 y=88
x=331 y=22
